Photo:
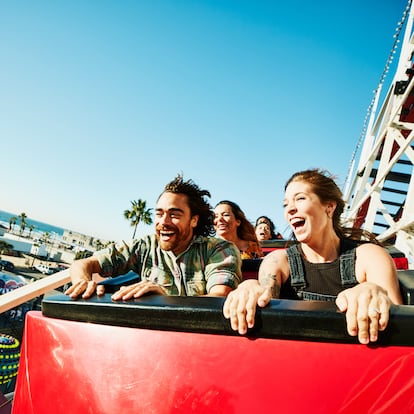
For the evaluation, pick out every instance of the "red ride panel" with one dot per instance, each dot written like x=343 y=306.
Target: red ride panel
x=74 y=367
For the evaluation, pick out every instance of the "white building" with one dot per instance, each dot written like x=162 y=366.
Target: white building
x=78 y=240
x=23 y=245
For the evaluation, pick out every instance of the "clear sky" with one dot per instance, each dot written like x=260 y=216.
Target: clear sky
x=105 y=101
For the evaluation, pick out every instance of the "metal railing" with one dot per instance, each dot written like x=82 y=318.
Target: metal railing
x=32 y=290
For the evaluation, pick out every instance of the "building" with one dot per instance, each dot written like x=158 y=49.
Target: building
x=78 y=240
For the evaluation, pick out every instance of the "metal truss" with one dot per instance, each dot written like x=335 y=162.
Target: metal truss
x=380 y=194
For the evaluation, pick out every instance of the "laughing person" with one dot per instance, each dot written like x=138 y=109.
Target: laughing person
x=231 y=224
x=180 y=259
x=329 y=262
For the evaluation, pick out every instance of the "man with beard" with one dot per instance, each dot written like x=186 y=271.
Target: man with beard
x=179 y=259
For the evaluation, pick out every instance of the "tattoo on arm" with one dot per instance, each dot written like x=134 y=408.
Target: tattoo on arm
x=270 y=281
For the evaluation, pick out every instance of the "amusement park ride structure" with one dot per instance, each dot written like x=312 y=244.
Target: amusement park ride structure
x=380 y=192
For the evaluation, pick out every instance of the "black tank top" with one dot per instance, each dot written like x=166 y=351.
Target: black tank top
x=320 y=281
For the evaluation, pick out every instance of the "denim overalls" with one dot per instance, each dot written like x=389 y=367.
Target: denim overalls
x=346 y=270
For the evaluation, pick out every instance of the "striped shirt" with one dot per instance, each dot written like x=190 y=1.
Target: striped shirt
x=207 y=262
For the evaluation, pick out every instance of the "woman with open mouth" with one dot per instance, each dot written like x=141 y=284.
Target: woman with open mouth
x=328 y=262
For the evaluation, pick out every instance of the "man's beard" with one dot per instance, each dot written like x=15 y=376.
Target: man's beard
x=169 y=245
x=177 y=239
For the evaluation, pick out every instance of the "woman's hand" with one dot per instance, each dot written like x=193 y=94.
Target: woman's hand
x=240 y=304
x=367 y=308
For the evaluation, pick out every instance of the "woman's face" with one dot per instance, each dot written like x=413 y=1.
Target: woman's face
x=306 y=214
x=263 y=232
x=225 y=222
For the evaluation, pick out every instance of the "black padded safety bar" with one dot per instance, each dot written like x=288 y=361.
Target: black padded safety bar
x=406 y=279
x=285 y=319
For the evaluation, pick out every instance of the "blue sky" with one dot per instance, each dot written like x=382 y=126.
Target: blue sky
x=105 y=101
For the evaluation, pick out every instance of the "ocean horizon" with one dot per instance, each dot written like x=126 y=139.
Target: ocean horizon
x=39 y=226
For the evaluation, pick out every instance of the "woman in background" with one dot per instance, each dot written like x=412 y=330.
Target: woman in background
x=231 y=224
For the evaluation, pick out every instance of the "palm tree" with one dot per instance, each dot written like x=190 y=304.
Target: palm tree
x=138 y=213
x=45 y=237
x=22 y=217
x=31 y=228
x=12 y=222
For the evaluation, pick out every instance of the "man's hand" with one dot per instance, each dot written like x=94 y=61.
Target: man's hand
x=85 y=288
x=81 y=272
x=137 y=290
x=367 y=308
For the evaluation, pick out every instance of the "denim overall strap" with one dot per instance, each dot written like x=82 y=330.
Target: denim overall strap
x=297 y=273
x=347 y=263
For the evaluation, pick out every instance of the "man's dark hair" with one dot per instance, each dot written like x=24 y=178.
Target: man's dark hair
x=197 y=202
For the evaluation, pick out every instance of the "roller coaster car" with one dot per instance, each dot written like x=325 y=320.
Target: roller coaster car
x=169 y=354
x=162 y=355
